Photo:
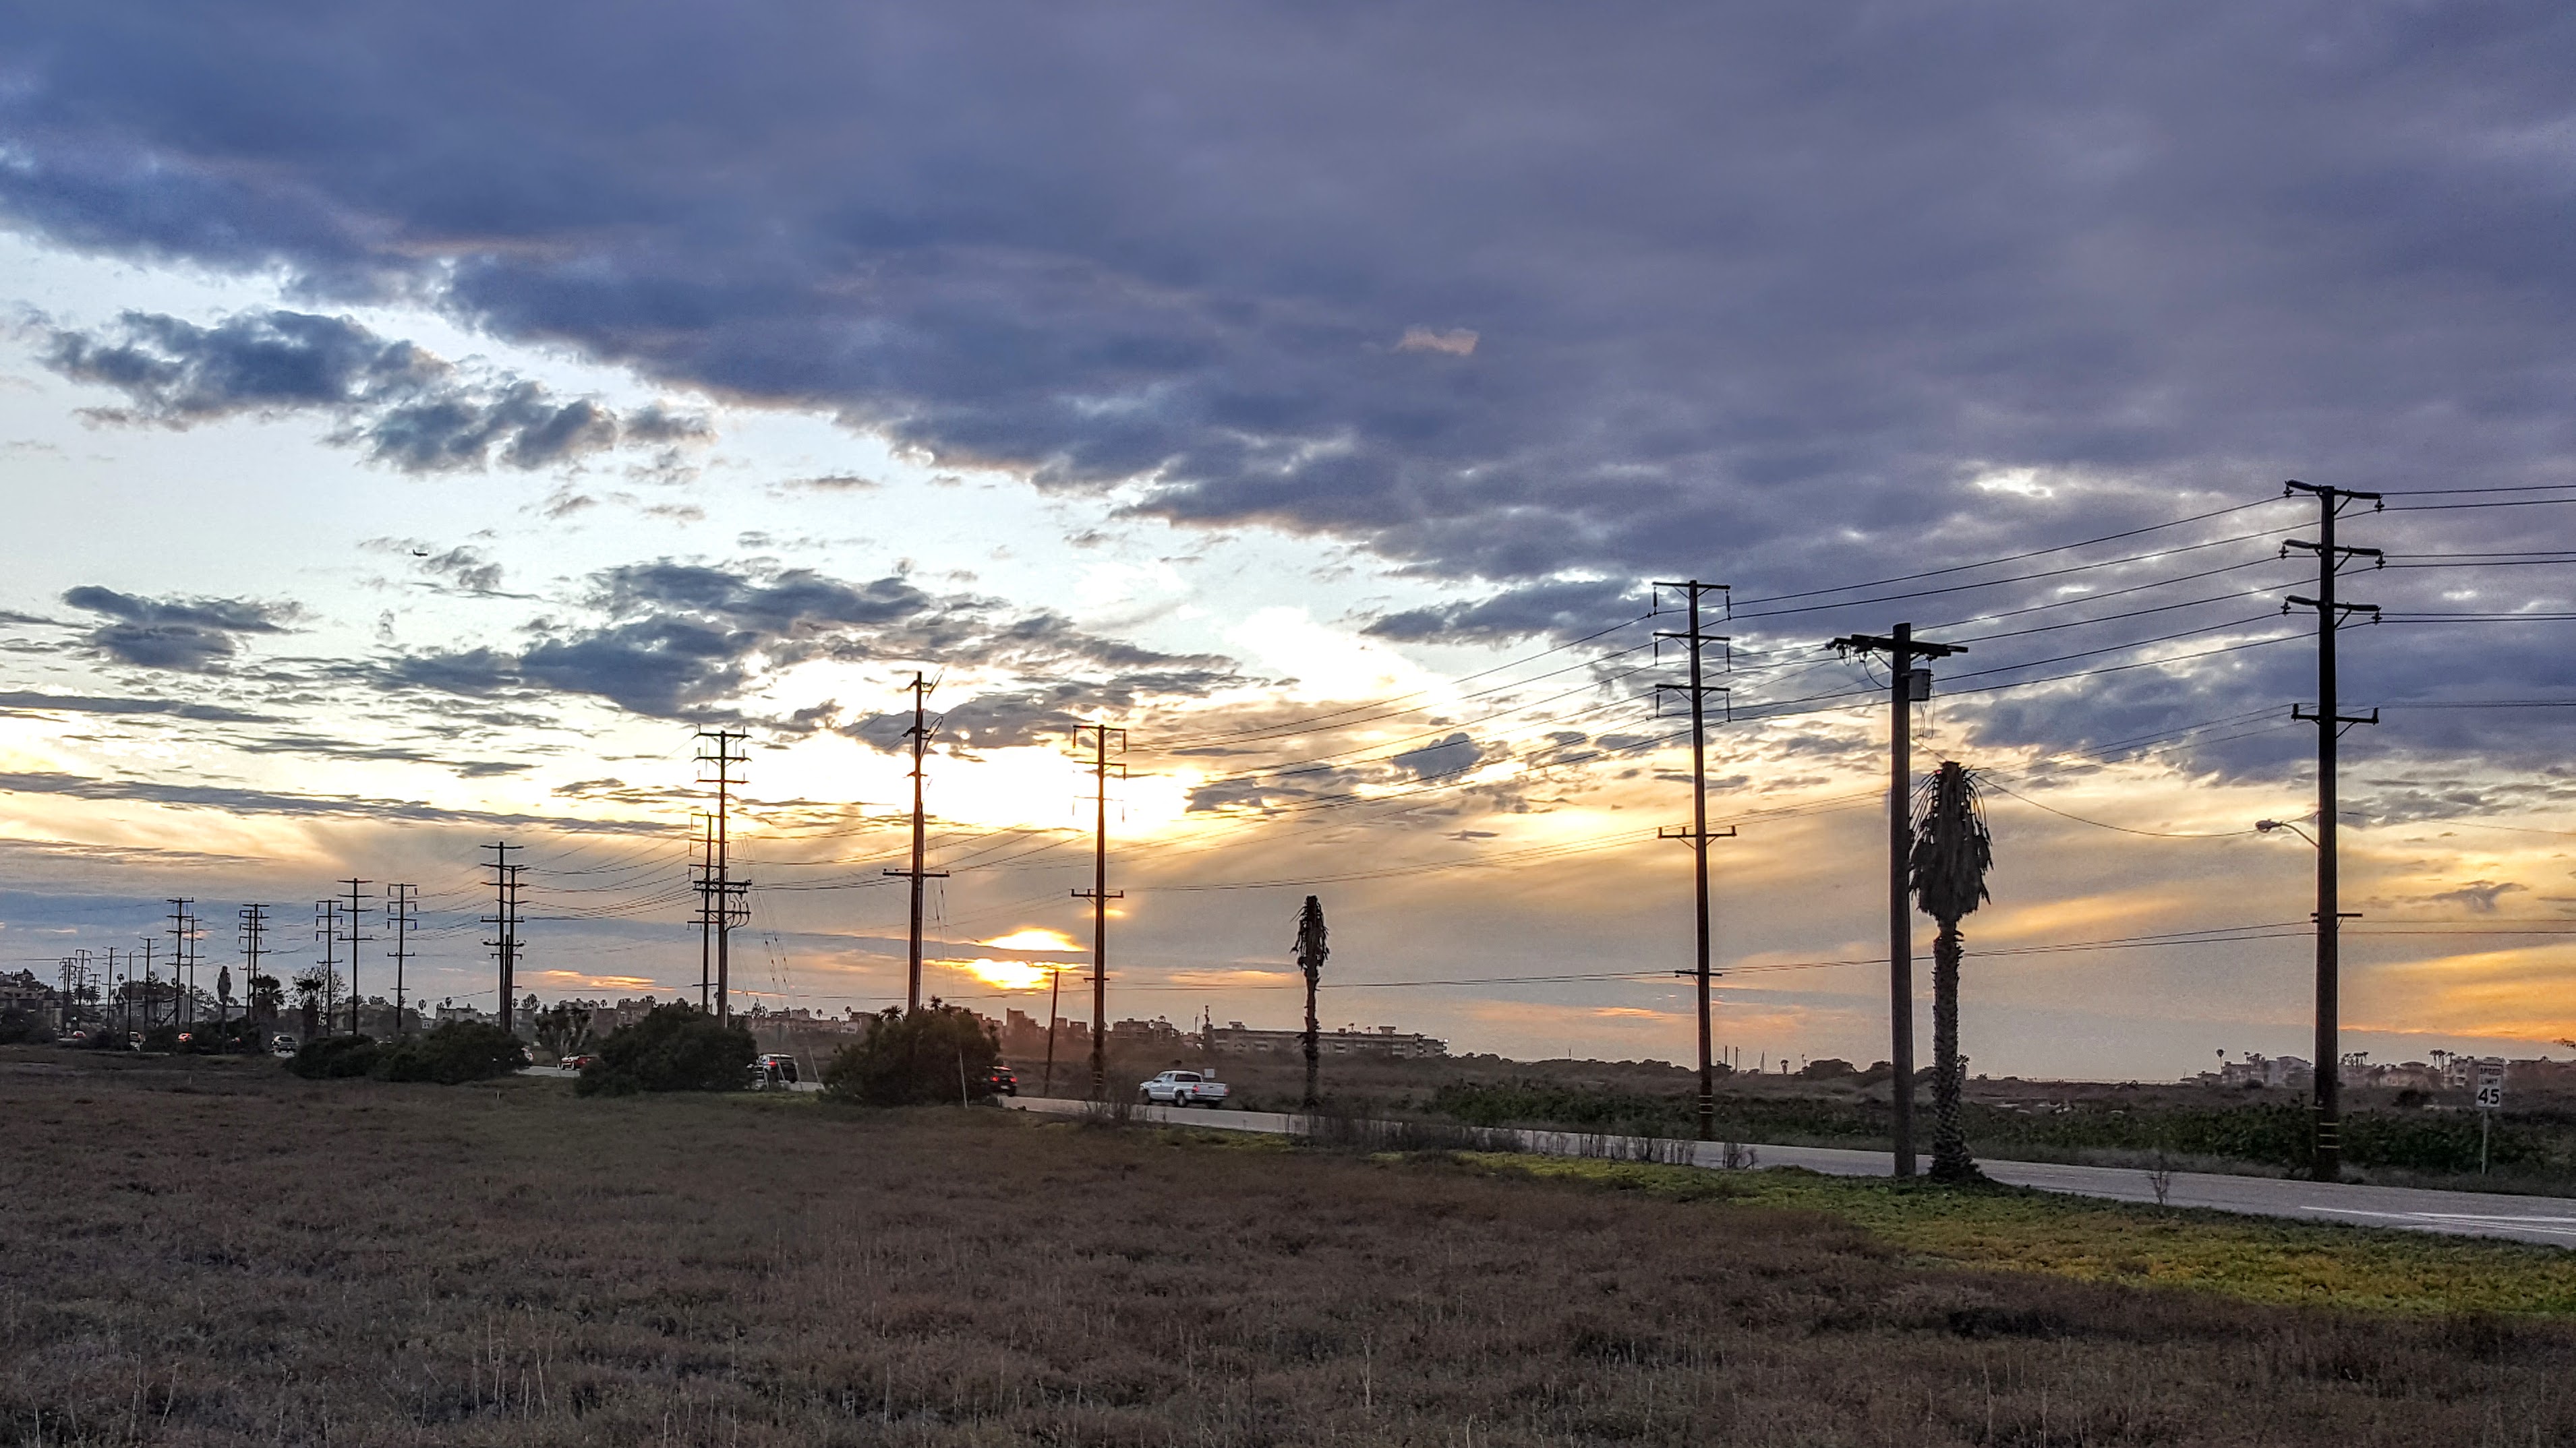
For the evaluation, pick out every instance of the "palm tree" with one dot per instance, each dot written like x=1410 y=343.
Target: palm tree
x=1311 y=951
x=1947 y=870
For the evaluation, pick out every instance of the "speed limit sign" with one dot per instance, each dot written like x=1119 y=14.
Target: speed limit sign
x=2490 y=1087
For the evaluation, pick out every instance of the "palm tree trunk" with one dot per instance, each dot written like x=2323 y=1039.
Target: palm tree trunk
x=1950 y=1159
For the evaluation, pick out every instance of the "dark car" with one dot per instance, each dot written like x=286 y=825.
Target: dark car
x=1002 y=1081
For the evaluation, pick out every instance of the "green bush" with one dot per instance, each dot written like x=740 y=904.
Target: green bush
x=21 y=1028
x=920 y=1058
x=452 y=1053
x=676 y=1048
x=335 y=1056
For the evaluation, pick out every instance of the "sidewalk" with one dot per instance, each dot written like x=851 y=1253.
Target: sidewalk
x=2548 y=1221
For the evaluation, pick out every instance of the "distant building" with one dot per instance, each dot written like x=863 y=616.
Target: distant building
x=2261 y=1070
x=1384 y=1042
x=21 y=991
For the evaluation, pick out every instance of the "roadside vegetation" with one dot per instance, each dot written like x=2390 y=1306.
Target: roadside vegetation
x=2530 y=1150
x=206 y=1251
x=2258 y=1259
x=673 y=1048
x=940 y=1055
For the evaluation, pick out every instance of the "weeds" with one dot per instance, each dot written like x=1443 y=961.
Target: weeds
x=505 y=1263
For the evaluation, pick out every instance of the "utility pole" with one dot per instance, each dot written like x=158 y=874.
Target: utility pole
x=724 y=891
x=352 y=917
x=182 y=959
x=1698 y=834
x=919 y=734
x=326 y=928
x=1055 y=989
x=2330 y=726
x=1907 y=685
x=1100 y=895
x=402 y=903
x=706 y=921
x=254 y=943
x=504 y=921
x=150 y=986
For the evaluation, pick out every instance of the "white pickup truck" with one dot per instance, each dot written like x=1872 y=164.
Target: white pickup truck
x=1184 y=1088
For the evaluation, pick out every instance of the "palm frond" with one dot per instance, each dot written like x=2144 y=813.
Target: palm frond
x=1946 y=868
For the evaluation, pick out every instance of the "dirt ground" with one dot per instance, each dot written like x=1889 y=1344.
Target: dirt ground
x=220 y=1253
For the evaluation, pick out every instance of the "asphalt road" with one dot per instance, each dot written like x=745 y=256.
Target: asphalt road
x=2549 y=1221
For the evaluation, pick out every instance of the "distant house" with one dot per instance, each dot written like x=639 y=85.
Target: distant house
x=21 y=991
x=2261 y=1070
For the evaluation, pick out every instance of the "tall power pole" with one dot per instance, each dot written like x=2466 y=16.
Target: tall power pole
x=402 y=912
x=1907 y=686
x=706 y=921
x=254 y=943
x=723 y=892
x=2330 y=726
x=1697 y=640
x=919 y=734
x=1100 y=895
x=150 y=985
x=504 y=921
x=351 y=916
x=326 y=930
x=183 y=961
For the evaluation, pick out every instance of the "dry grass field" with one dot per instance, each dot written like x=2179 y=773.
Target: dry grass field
x=225 y=1254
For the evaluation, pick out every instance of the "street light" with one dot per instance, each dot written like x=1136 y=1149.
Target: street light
x=2265 y=827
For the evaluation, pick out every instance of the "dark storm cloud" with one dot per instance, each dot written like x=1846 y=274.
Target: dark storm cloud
x=1561 y=609
x=1451 y=756
x=1506 y=292
x=407 y=408
x=186 y=634
x=675 y=639
x=25 y=702
x=233 y=800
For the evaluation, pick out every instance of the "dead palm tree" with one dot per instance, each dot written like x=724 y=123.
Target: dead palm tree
x=1311 y=951
x=1947 y=871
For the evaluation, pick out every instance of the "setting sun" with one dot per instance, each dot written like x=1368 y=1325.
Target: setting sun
x=1033 y=937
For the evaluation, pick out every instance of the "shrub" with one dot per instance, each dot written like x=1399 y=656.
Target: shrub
x=675 y=1048
x=452 y=1053
x=917 y=1058
x=21 y=1028
x=334 y=1056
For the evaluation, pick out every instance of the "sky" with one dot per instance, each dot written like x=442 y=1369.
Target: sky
x=420 y=422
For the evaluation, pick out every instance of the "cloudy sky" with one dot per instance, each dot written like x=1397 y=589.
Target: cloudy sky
x=420 y=420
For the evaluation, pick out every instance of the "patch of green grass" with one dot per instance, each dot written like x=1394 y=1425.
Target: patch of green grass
x=2016 y=1229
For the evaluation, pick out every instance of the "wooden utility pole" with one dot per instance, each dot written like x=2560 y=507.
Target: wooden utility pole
x=504 y=921
x=919 y=734
x=1312 y=947
x=2328 y=1164
x=1697 y=640
x=1907 y=686
x=724 y=892
x=254 y=943
x=326 y=928
x=1055 y=989
x=1100 y=895
x=183 y=962
x=402 y=903
x=351 y=916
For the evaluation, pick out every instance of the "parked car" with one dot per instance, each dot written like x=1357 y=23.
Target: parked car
x=1184 y=1088
x=281 y=1045
x=775 y=1072
x=1002 y=1081
x=575 y=1063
